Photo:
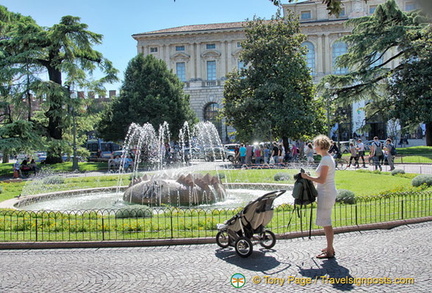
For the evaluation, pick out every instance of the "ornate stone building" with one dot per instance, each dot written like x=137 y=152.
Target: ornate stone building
x=202 y=55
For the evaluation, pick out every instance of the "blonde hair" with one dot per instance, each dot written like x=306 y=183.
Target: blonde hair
x=323 y=142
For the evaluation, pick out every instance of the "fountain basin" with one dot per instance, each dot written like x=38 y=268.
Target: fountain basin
x=183 y=190
x=237 y=195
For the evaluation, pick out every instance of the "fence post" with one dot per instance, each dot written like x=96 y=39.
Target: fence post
x=36 y=228
x=402 y=209
x=172 y=231
x=103 y=228
x=356 y=213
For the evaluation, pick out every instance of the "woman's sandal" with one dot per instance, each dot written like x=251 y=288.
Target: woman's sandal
x=325 y=250
x=325 y=254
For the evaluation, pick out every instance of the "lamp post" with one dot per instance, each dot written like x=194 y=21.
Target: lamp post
x=75 y=167
x=327 y=87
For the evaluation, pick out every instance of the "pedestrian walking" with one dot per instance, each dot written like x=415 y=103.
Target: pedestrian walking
x=377 y=153
x=390 y=151
x=361 y=151
x=354 y=156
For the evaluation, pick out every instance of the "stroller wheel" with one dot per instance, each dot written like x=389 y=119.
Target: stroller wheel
x=267 y=239
x=243 y=247
x=222 y=239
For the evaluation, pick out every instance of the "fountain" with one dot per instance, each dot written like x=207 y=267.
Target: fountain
x=162 y=188
x=180 y=184
x=191 y=189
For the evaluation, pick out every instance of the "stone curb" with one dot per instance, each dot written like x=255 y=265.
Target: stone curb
x=194 y=241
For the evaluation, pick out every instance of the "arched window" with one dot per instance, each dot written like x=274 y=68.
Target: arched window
x=338 y=49
x=310 y=56
x=211 y=112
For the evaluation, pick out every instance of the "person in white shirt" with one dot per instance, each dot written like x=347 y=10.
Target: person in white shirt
x=361 y=151
x=327 y=192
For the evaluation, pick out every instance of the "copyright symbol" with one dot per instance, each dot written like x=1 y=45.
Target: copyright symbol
x=256 y=279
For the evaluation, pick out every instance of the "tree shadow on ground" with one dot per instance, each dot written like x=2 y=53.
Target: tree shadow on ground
x=330 y=273
x=258 y=261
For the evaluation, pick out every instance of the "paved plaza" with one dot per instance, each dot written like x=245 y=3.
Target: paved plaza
x=375 y=261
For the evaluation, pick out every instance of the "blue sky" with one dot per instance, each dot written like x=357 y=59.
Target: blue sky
x=118 y=20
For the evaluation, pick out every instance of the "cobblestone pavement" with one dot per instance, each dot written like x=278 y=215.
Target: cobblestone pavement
x=400 y=255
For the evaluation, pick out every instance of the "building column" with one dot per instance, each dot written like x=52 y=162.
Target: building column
x=227 y=53
x=198 y=61
x=327 y=55
x=319 y=57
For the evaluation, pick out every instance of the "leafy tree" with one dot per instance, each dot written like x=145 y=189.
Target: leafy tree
x=404 y=37
x=65 y=52
x=17 y=132
x=411 y=87
x=274 y=94
x=150 y=93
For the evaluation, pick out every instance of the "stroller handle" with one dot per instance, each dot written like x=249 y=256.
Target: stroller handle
x=273 y=194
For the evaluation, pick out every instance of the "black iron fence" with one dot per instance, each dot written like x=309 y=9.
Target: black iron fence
x=173 y=223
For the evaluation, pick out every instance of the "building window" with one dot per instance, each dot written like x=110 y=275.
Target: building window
x=372 y=9
x=181 y=71
x=305 y=15
x=310 y=56
x=410 y=6
x=211 y=70
x=238 y=44
x=211 y=112
x=153 y=49
x=338 y=49
x=180 y=48
x=211 y=46
x=342 y=13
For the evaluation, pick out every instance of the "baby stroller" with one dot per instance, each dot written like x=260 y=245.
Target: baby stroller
x=239 y=230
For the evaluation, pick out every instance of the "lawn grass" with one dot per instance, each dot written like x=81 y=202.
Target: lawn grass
x=372 y=189
x=169 y=223
x=361 y=182
x=6 y=169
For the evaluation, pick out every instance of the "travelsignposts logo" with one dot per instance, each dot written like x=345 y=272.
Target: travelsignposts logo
x=238 y=280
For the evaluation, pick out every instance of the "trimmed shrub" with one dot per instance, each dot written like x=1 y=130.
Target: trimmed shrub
x=397 y=171
x=346 y=196
x=53 y=180
x=422 y=179
x=143 y=212
x=281 y=176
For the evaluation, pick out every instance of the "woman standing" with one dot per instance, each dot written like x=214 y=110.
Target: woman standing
x=326 y=192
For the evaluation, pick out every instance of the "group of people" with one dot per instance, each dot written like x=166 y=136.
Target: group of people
x=378 y=152
x=25 y=167
x=115 y=163
x=270 y=153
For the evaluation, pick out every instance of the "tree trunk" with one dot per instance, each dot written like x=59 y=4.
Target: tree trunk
x=429 y=133
x=55 y=131
x=285 y=144
x=5 y=158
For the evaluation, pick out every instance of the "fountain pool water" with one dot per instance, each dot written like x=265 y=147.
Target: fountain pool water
x=113 y=200
x=152 y=146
